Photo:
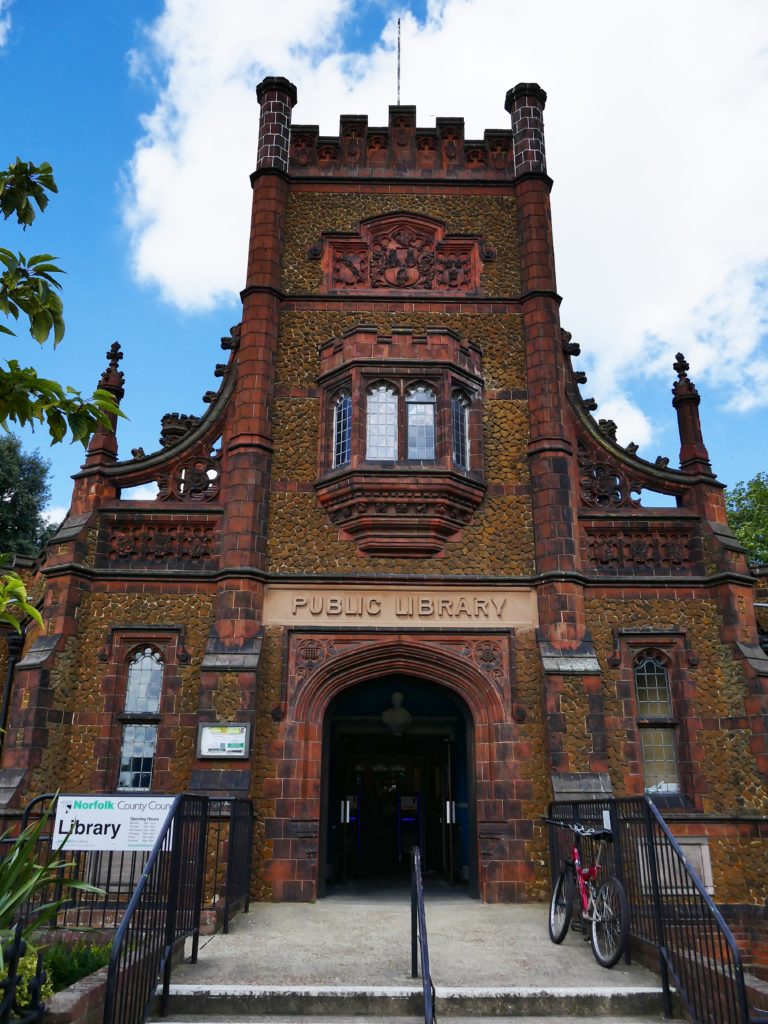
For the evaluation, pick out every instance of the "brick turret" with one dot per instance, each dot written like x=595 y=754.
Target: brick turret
x=277 y=98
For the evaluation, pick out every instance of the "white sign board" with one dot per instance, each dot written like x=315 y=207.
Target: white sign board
x=223 y=740
x=110 y=821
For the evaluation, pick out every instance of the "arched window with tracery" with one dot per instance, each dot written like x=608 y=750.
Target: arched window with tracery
x=420 y=422
x=342 y=429
x=657 y=723
x=140 y=718
x=460 y=428
x=381 y=434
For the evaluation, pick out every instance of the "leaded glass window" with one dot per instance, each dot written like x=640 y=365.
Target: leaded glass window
x=381 y=434
x=145 y=680
x=137 y=756
x=459 y=429
x=420 y=411
x=342 y=430
x=657 y=724
x=142 y=709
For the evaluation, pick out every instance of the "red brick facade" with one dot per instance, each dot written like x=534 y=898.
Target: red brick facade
x=514 y=571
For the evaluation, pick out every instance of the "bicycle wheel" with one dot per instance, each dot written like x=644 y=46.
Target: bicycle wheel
x=561 y=906
x=610 y=922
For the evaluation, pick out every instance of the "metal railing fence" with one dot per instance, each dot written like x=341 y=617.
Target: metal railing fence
x=419 y=943
x=670 y=908
x=229 y=831
x=163 y=911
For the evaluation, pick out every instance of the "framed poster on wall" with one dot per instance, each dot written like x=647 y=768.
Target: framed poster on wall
x=224 y=739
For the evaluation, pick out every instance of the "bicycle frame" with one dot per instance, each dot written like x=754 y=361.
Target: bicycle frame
x=586 y=878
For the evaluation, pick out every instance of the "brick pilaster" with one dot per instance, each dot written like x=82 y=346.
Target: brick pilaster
x=234 y=643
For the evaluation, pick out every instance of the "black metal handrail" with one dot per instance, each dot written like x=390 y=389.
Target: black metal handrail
x=163 y=911
x=670 y=907
x=419 y=943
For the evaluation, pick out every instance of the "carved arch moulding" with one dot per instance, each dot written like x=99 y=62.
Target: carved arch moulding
x=404 y=251
x=320 y=665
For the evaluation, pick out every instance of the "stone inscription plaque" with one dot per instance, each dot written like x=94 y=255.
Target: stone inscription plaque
x=427 y=607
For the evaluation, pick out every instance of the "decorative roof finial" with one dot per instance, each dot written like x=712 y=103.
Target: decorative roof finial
x=112 y=379
x=681 y=366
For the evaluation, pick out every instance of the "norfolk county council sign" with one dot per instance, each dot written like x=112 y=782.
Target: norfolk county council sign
x=109 y=821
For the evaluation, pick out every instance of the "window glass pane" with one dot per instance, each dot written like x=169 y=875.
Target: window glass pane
x=342 y=430
x=660 y=761
x=382 y=423
x=653 y=700
x=420 y=405
x=137 y=757
x=459 y=421
x=145 y=680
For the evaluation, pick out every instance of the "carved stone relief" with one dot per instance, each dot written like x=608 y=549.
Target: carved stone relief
x=404 y=251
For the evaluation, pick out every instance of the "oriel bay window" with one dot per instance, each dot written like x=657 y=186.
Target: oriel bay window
x=399 y=422
x=140 y=719
x=400 y=445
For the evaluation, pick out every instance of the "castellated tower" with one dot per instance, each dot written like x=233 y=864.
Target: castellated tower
x=400 y=550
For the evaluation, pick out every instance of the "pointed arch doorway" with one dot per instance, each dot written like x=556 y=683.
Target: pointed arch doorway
x=397 y=770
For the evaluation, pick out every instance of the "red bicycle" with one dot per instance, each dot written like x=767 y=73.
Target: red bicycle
x=604 y=910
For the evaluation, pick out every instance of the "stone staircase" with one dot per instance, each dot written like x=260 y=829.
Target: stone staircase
x=347 y=960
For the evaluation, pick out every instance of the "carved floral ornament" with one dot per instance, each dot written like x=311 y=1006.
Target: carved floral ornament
x=603 y=484
x=404 y=251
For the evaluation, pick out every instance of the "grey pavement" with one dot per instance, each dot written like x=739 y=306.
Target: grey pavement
x=358 y=941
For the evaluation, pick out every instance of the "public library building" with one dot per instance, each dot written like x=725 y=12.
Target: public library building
x=398 y=581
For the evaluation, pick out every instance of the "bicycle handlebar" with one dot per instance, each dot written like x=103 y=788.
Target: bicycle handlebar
x=601 y=834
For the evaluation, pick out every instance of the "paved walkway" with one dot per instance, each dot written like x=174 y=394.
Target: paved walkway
x=365 y=941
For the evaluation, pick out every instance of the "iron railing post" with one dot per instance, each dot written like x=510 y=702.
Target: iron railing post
x=174 y=882
x=658 y=923
x=198 y=888
x=414 y=924
x=231 y=853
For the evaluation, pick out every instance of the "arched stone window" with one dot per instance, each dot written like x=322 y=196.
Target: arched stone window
x=140 y=719
x=656 y=722
x=342 y=429
x=420 y=422
x=381 y=433
x=460 y=428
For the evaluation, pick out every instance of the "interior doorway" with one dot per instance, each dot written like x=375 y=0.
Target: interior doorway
x=396 y=773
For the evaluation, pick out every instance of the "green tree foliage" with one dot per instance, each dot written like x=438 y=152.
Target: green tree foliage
x=24 y=492
x=29 y=290
x=747 y=505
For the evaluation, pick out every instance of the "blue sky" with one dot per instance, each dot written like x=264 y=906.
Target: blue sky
x=656 y=143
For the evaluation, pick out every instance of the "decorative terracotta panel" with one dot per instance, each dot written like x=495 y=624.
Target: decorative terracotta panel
x=403 y=251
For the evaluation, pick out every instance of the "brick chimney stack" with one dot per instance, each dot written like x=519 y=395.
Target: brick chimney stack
x=277 y=98
x=526 y=105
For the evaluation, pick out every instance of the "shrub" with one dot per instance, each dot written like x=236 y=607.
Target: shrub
x=26 y=969
x=67 y=964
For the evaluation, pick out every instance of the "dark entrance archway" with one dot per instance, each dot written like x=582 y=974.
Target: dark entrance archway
x=397 y=771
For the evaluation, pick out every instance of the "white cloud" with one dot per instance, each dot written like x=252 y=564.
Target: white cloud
x=655 y=141
x=142 y=492
x=5 y=21
x=55 y=514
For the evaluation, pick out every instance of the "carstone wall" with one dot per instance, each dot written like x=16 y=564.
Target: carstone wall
x=77 y=681
x=498 y=541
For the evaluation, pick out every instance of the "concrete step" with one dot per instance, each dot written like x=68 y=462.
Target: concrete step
x=197 y=1019
x=401 y=1020
x=351 y=1002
